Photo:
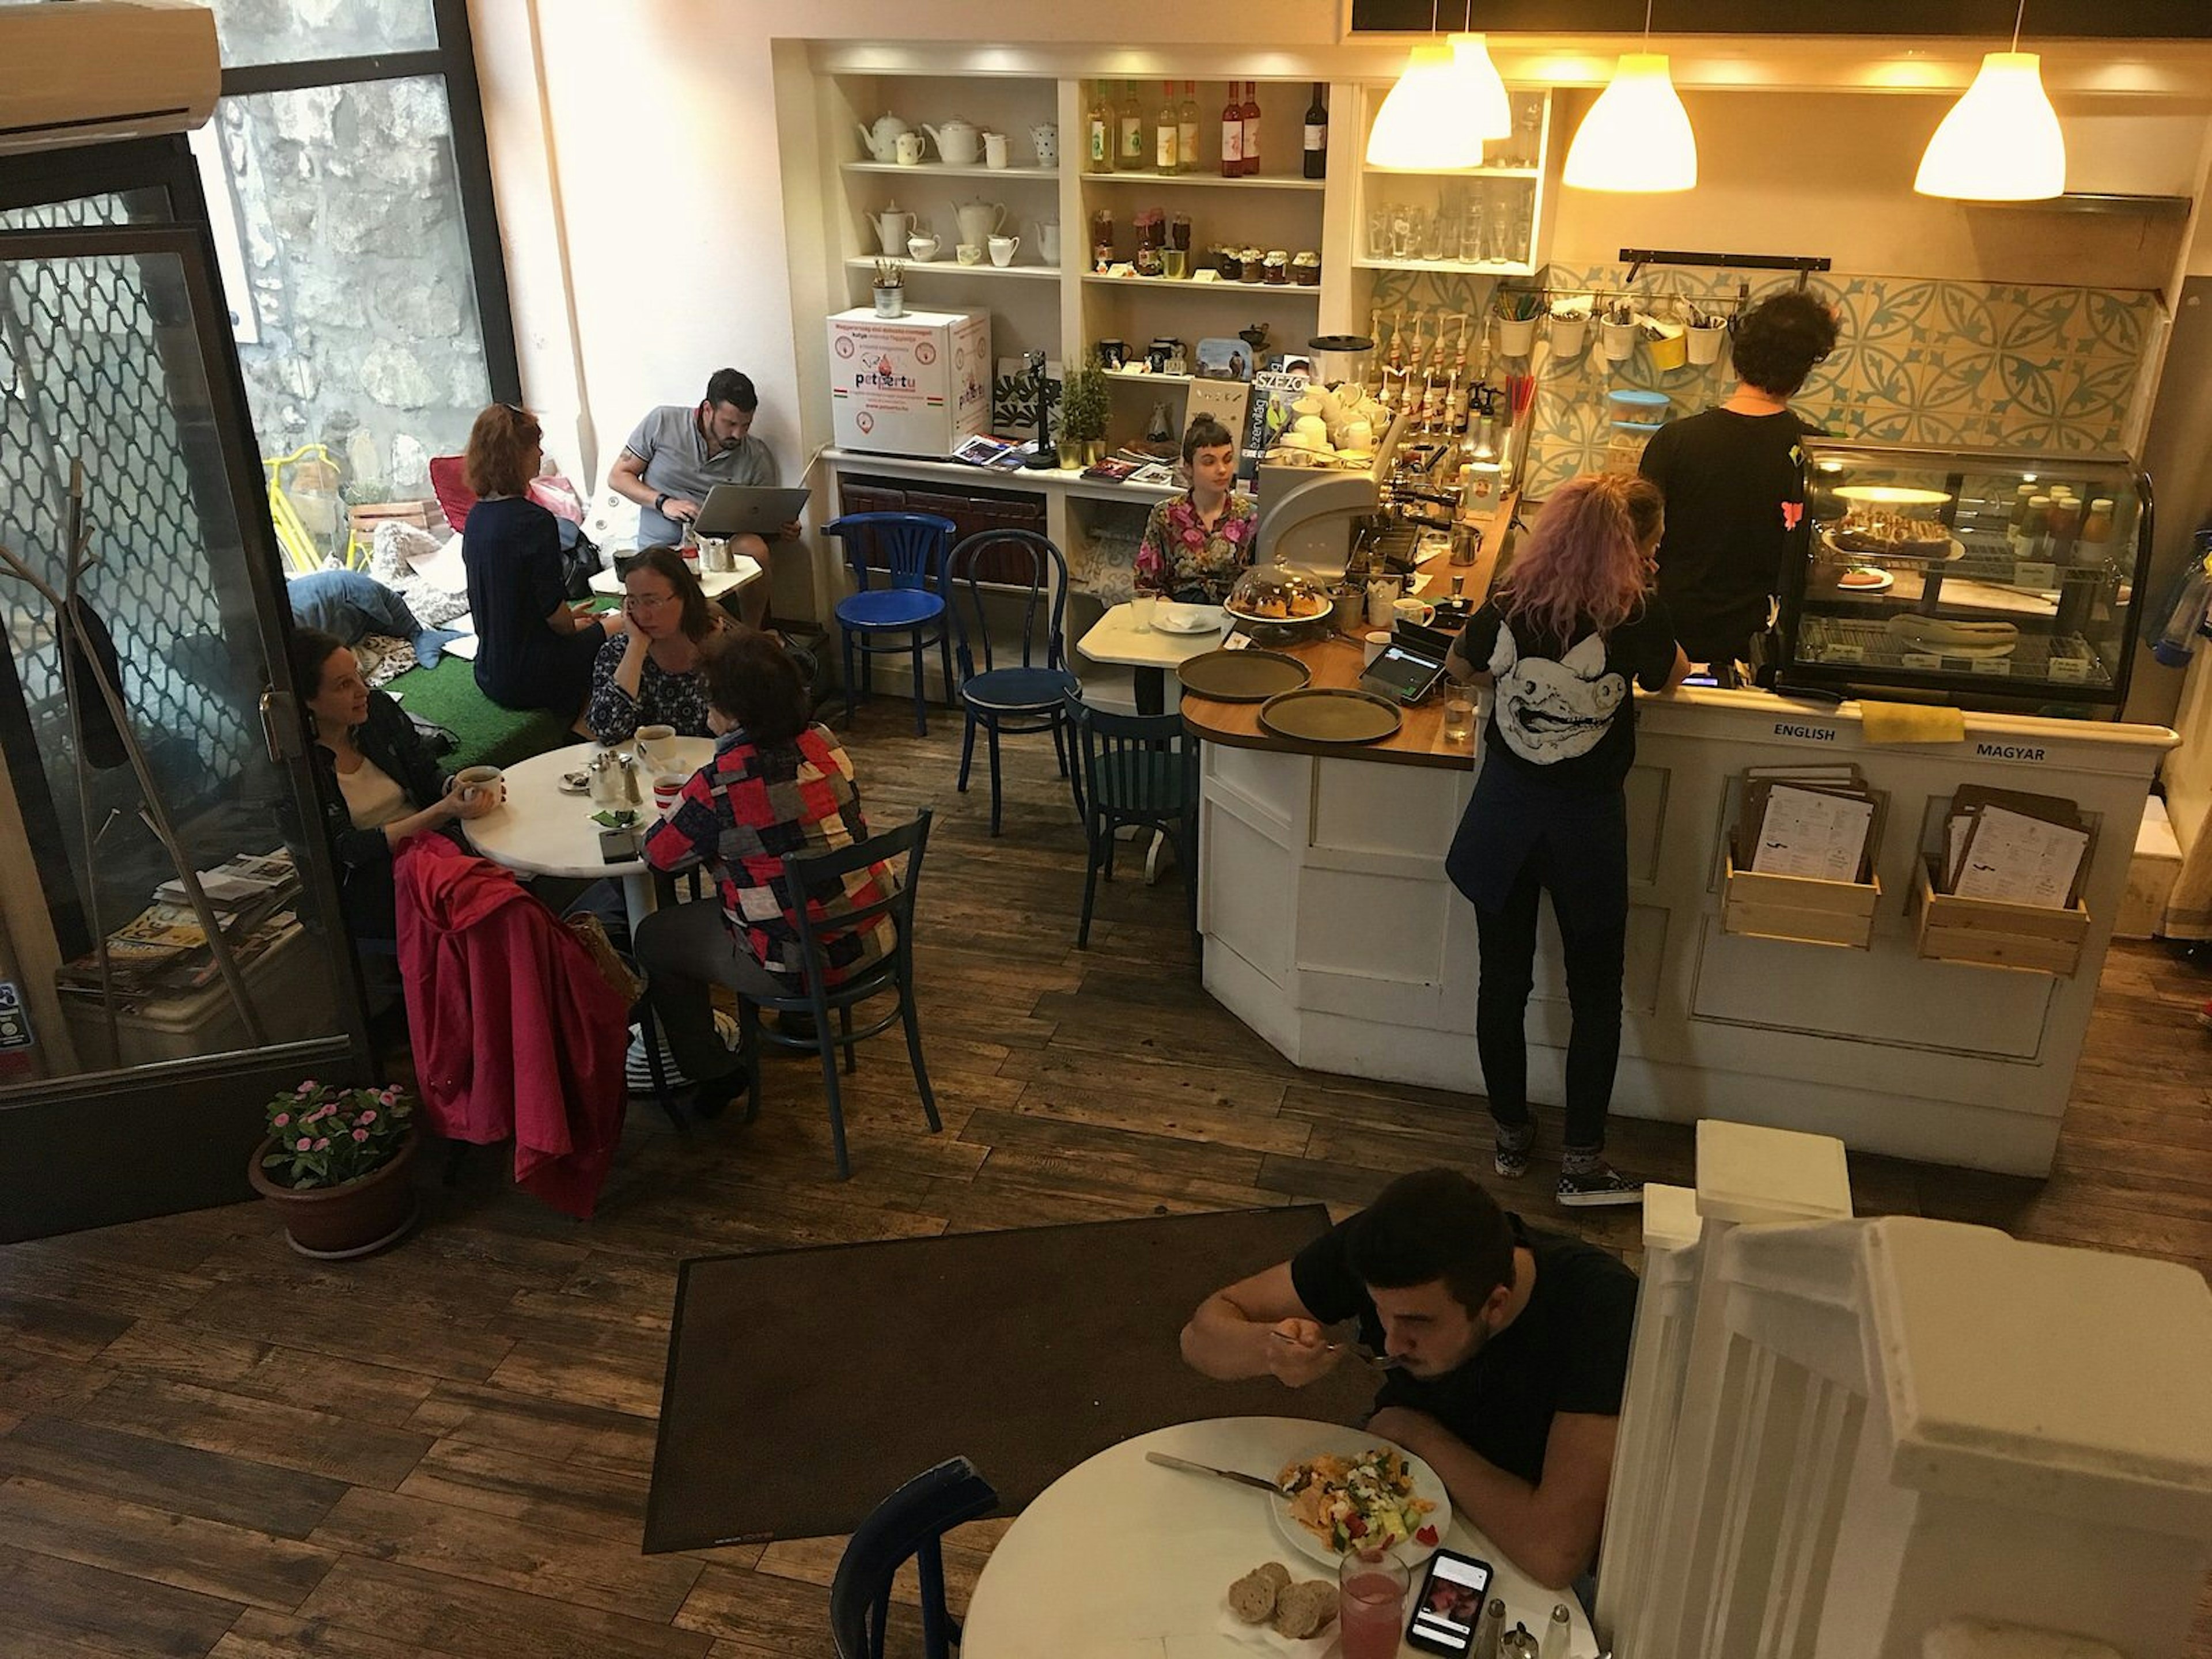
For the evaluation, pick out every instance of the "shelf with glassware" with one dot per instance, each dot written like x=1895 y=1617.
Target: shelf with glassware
x=1479 y=222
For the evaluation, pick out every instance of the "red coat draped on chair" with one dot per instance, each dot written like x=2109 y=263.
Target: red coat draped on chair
x=514 y=1031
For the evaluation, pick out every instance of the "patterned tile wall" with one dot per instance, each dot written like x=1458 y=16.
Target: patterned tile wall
x=1918 y=361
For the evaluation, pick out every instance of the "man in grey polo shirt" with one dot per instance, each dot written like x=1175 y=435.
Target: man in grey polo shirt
x=678 y=454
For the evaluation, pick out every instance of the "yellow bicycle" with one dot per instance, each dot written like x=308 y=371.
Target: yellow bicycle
x=298 y=542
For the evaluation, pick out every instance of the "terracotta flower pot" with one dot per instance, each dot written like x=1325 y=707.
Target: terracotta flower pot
x=355 y=1218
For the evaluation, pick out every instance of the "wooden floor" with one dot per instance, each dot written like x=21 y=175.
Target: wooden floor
x=208 y=1446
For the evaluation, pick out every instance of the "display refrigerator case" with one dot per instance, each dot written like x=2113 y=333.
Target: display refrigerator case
x=2000 y=580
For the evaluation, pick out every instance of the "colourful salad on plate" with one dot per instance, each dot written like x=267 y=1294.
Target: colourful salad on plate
x=1365 y=1502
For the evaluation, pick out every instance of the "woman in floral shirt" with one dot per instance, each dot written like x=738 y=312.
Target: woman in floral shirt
x=1197 y=545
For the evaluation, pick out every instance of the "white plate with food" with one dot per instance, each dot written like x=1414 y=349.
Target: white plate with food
x=1187 y=618
x=1354 y=1489
x=575 y=783
x=1865 y=579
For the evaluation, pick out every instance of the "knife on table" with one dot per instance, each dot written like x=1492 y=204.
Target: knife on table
x=1240 y=1478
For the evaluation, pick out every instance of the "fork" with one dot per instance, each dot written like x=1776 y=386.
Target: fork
x=1382 y=1362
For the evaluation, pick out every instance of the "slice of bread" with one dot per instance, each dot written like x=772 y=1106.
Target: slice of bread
x=1252 y=1598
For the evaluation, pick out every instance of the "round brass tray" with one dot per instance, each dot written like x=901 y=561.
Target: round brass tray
x=1250 y=676
x=1330 y=714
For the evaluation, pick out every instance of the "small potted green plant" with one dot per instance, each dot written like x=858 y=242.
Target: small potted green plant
x=335 y=1165
x=1083 y=416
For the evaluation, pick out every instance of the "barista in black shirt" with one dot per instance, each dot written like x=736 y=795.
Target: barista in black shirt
x=1734 y=479
x=1513 y=1346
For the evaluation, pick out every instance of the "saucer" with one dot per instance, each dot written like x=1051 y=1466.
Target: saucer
x=1196 y=619
x=575 y=783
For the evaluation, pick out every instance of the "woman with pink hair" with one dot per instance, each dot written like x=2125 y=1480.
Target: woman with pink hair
x=1558 y=644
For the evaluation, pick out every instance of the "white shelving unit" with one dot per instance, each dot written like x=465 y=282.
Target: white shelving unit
x=1205 y=181
x=942 y=266
x=1515 y=189
x=921 y=170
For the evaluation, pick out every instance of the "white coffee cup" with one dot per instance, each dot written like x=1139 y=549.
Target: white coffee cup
x=1141 y=607
x=480 y=781
x=1373 y=646
x=650 y=743
x=968 y=253
x=995 y=149
x=1412 y=610
x=922 y=249
x=1003 y=249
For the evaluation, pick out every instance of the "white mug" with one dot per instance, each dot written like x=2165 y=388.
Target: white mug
x=1412 y=610
x=969 y=254
x=909 y=149
x=995 y=149
x=1381 y=600
x=651 y=742
x=1371 y=647
x=1003 y=249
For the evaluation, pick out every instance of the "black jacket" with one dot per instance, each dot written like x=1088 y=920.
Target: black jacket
x=389 y=739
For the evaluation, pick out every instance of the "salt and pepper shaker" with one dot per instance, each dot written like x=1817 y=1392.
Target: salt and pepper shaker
x=1557 y=1633
x=1490 y=1630
x=1517 y=1643
x=606 y=782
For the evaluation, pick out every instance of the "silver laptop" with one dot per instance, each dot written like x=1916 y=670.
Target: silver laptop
x=749 y=510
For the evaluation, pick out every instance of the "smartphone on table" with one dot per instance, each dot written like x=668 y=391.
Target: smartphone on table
x=1449 y=1605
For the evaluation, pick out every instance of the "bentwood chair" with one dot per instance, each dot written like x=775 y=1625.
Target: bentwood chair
x=907 y=550
x=908 y=1525
x=891 y=974
x=993 y=576
x=1139 y=770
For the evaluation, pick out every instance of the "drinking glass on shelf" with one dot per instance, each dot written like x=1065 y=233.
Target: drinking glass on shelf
x=1378 y=233
x=1404 y=237
x=1437 y=241
x=1470 y=234
x=1528 y=127
x=1500 y=237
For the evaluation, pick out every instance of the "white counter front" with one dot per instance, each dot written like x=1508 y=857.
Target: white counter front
x=1331 y=929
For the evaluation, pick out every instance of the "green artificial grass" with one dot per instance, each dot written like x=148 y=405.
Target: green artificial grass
x=486 y=734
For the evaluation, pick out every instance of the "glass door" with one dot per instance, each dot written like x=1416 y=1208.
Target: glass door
x=169 y=949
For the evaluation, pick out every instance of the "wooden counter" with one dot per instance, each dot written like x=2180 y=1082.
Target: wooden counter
x=1333 y=662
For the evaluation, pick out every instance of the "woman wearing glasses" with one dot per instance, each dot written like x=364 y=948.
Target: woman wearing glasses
x=1734 y=478
x=652 y=675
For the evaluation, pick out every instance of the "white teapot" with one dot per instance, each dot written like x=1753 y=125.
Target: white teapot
x=959 y=141
x=881 y=141
x=979 y=220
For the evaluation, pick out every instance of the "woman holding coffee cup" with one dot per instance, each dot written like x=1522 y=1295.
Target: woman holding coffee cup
x=650 y=674
x=376 y=782
x=1196 y=545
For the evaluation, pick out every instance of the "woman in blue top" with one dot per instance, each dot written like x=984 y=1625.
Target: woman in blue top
x=534 y=649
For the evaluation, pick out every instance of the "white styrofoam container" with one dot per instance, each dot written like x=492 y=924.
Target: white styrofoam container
x=915 y=385
x=2152 y=872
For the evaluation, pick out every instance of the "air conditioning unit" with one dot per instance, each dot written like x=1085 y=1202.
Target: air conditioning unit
x=93 y=71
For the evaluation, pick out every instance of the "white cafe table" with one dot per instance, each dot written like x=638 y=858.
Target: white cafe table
x=713 y=583
x=1120 y=1558
x=1151 y=652
x=542 y=830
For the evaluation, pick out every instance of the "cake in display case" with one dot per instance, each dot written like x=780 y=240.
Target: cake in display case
x=2007 y=580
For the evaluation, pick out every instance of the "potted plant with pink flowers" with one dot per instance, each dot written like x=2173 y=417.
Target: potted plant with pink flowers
x=336 y=1164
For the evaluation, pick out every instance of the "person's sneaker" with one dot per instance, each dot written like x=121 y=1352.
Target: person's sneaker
x=1602 y=1185
x=1510 y=1151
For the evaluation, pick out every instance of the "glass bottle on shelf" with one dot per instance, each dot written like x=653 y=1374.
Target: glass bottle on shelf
x=1250 y=117
x=1317 y=136
x=1232 y=136
x=1167 y=143
x=1186 y=129
x=1132 y=157
x=1098 y=152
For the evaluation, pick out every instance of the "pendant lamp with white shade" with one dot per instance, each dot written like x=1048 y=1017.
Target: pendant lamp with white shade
x=1449 y=99
x=1637 y=138
x=2001 y=141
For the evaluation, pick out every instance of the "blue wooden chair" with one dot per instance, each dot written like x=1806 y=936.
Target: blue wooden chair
x=910 y=1524
x=1022 y=682
x=1138 y=770
x=907 y=550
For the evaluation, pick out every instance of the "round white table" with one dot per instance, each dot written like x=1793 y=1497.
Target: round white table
x=743 y=573
x=542 y=830
x=1120 y=1558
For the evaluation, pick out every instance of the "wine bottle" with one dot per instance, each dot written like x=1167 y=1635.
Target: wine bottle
x=1098 y=154
x=1132 y=157
x=1232 y=137
x=1316 y=145
x=1167 y=146
x=1251 y=121
x=1186 y=130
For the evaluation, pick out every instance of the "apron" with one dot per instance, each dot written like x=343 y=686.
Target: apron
x=1575 y=841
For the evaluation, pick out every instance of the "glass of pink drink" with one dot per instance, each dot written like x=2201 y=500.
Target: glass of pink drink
x=1371 y=1603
